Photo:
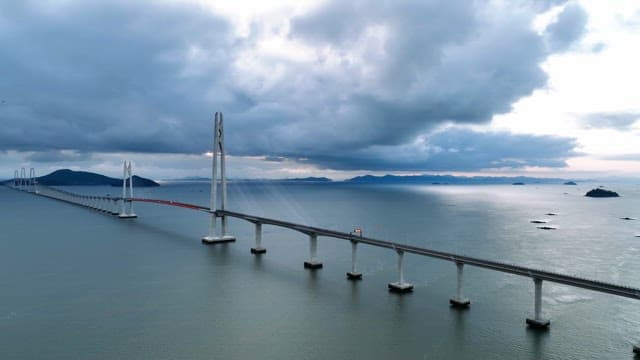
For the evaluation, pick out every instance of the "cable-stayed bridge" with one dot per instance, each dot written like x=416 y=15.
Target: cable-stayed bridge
x=123 y=207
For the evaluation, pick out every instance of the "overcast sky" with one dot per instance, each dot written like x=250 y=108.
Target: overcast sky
x=322 y=88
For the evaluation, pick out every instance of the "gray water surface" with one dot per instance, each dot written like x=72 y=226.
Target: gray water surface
x=78 y=284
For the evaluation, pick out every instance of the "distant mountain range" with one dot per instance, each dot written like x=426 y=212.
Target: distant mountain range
x=66 y=177
x=69 y=177
x=305 y=179
x=409 y=179
x=450 y=179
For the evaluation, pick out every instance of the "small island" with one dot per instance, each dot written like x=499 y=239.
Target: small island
x=570 y=183
x=546 y=227
x=518 y=183
x=601 y=193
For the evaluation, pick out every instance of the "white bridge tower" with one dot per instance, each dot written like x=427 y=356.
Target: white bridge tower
x=218 y=148
x=127 y=193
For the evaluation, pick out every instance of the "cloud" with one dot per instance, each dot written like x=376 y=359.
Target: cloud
x=337 y=86
x=57 y=156
x=460 y=149
x=623 y=157
x=110 y=76
x=569 y=26
x=613 y=120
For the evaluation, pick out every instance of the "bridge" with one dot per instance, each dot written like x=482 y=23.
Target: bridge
x=122 y=207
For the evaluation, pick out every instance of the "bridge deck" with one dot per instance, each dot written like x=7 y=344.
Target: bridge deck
x=589 y=284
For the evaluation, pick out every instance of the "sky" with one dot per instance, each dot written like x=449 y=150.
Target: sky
x=322 y=88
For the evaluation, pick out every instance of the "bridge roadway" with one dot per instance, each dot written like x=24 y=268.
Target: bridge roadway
x=599 y=286
x=594 y=285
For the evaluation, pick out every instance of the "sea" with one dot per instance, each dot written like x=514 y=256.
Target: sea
x=80 y=284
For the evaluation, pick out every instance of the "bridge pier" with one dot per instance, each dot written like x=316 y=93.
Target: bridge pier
x=538 y=321
x=114 y=206
x=104 y=205
x=32 y=181
x=400 y=286
x=354 y=274
x=459 y=300
x=258 y=249
x=313 y=262
x=212 y=238
x=226 y=237
x=23 y=179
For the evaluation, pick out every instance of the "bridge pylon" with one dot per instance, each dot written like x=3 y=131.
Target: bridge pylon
x=23 y=179
x=33 y=182
x=218 y=149
x=126 y=210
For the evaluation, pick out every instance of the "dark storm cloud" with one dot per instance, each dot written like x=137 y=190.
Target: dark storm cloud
x=459 y=149
x=146 y=76
x=109 y=76
x=612 y=120
x=58 y=156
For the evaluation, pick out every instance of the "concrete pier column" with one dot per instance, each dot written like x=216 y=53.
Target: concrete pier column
x=223 y=181
x=258 y=249
x=538 y=321
x=225 y=236
x=354 y=274
x=32 y=181
x=313 y=262
x=114 y=206
x=459 y=300
x=126 y=198
x=23 y=179
x=211 y=238
x=123 y=209
x=223 y=222
x=400 y=286
x=132 y=214
x=218 y=148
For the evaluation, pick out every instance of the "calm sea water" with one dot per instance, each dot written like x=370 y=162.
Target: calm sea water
x=77 y=284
